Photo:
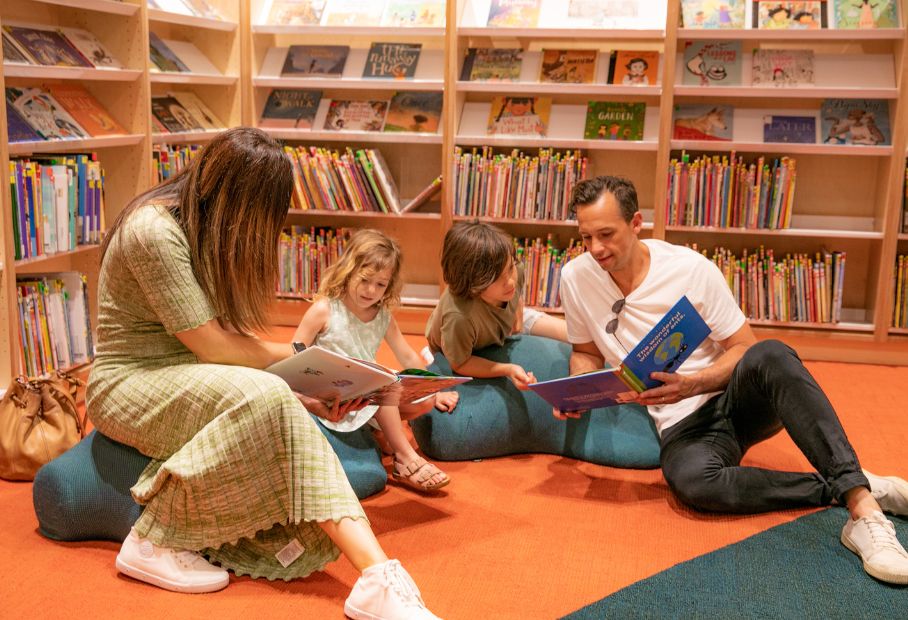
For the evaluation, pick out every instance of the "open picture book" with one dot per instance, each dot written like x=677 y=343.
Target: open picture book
x=328 y=376
x=663 y=349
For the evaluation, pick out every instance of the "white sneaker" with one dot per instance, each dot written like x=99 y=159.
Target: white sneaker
x=386 y=592
x=890 y=492
x=171 y=569
x=873 y=539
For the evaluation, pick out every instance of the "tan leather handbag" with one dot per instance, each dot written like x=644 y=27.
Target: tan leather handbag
x=38 y=422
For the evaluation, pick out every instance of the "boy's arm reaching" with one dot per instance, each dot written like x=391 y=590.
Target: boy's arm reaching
x=313 y=322
x=483 y=368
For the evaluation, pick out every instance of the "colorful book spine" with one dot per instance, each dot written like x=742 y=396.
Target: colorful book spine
x=542 y=263
x=797 y=288
x=723 y=191
x=170 y=159
x=303 y=256
x=53 y=198
x=900 y=307
x=516 y=185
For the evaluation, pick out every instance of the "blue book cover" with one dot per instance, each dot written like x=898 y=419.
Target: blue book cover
x=17 y=127
x=664 y=349
x=794 y=129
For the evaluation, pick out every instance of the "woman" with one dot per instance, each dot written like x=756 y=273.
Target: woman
x=241 y=474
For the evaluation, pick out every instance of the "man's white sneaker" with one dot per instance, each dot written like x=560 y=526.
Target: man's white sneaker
x=890 y=492
x=386 y=592
x=873 y=539
x=171 y=569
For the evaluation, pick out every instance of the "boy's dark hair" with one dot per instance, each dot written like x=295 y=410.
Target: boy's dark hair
x=589 y=191
x=474 y=255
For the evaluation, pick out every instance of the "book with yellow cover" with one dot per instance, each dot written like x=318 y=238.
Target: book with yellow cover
x=568 y=66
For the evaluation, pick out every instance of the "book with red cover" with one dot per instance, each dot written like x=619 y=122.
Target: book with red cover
x=85 y=109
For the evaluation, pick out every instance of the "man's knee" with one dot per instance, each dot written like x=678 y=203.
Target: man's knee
x=693 y=487
x=769 y=356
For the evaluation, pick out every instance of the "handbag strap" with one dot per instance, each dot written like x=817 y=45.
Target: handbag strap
x=64 y=397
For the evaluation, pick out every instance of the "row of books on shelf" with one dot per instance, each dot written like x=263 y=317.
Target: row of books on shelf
x=57 y=203
x=841 y=121
x=56 y=112
x=725 y=191
x=516 y=185
x=406 y=111
x=798 y=15
x=54 y=327
x=173 y=56
x=542 y=263
x=181 y=111
x=630 y=14
x=795 y=288
x=388 y=13
x=563 y=66
x=27 y=44
x=193 y=8
x=303 y=256
x=171 y=159
x=900 y=307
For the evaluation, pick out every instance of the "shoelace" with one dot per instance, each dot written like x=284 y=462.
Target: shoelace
x=188 y=559
x=398 y=579
x=882 y=533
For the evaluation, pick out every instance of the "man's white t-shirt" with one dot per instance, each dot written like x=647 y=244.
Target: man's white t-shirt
x=588 y=294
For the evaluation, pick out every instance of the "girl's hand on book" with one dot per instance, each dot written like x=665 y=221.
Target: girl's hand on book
x=333 y=412
x=446 y=401
x=566 y=415
x=519 y=377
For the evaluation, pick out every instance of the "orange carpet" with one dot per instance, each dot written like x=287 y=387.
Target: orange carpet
x=519 y=537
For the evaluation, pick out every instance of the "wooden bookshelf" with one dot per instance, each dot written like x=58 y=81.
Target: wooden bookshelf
x=849 y=196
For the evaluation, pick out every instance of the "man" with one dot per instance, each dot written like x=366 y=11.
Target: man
x=731 y=393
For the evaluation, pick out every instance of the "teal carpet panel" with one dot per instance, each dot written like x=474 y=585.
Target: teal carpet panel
x=796 y=570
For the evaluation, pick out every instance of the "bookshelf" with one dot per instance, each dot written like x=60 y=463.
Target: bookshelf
x=848 y=197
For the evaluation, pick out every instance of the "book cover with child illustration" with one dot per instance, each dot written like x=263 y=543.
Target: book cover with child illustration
x=607 y=120
x=775 y=15
x=634 y=68
x=527 y=116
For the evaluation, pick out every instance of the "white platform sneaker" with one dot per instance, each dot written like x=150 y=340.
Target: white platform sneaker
x=873 y=539
x=386 y=592
x=890 y=492
x=172 y=569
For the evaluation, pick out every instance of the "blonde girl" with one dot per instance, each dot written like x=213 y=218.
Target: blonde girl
x=351 y=315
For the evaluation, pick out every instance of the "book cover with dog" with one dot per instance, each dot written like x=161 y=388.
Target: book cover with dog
x=855 y=121
x=664 y=349
x=703 y=122
x=712 y=63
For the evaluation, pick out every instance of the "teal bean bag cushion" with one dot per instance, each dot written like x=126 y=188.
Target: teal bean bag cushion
x=84 y=493
x=493 y=418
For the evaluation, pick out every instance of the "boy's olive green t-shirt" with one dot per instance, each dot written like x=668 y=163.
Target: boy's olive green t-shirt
x=459 y=326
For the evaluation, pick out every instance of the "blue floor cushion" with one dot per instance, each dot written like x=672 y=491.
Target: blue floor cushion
x=84 y=493
x=493 y=418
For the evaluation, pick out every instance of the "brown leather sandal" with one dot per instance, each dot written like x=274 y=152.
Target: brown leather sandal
x=418 y=475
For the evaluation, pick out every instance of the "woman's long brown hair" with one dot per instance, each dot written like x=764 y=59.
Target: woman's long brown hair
x=231 y=202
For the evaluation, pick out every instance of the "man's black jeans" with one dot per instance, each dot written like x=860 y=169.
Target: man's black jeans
x=769 y=390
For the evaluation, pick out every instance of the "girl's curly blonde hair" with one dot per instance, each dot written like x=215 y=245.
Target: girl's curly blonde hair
x=366 y=253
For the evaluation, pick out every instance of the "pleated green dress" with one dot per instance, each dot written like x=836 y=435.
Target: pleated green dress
x=240 y=468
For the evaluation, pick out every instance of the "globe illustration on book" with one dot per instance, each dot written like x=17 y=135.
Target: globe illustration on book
x=669 y=350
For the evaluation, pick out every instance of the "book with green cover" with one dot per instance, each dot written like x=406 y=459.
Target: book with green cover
x=608 y=120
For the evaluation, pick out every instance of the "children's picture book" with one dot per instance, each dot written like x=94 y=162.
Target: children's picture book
x=171 y=6
x=315 y=61
x=295 y=12
x=83 y=107
x=47 y=47
x=712 y=63
x=776 y=15
x=527 y=116
x=348 y=115
x=163 y=57
x=634 y=68
x=353 y=13
x=593 y=13
x=17 y=128
x=192 y=57
x=414 y=111
x=774 y=67
x=855 y=121
x=606 y=120
x=794 y=129
x=91 y=48
x=172 y=115
x=664 y=349
x=392 y=60
x=513 y=13
x=866 y=13
x=491 y=64
x=414 y=14
x=568 y=66
x=710 y=14
x=44 y=114
x=703 y=122
x=291 y=108
x=12 y=53
x=197 y=109
x=329 y=377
